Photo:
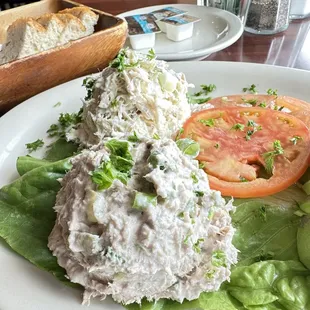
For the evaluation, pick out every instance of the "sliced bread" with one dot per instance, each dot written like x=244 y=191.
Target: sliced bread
x=85 y=15
x=27 y=36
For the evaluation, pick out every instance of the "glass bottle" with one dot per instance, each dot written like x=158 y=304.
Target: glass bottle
x=268 y=16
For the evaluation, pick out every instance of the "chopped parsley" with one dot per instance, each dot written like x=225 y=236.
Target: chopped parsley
x=89 y=84
x=114 y=103
x=58 y=104
x=202 y=95
x=273 y=92
x=196 y=246
x=208 y=88
x=217 y=145
x=194 y=177
x=181 y=131
x=151 y=54
x=199 y=193
x=211 y=213
x=252 y=89
x=133 y=138
x=186 y=239
x=33 y=146
x=65 y=122
x=277 y=108
x=243 y=179
x=269 y=157
x=119 y=62
x=210 y=274
x=218 y=259
x=250 y=101
x=201 y=165
x=156 y=136
x=238 y=126
x=207 y=122
x=254 y=129
x=295 y=139
x=262 y=104
x=118 y=167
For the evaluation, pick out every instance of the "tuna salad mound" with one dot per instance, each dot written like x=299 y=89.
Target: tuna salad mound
x=140 y=221
x=137 y=95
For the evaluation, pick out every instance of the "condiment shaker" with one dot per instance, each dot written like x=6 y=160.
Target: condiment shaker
x=268 y=16
x=300 y=9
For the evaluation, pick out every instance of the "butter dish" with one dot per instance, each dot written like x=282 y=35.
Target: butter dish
x=180 y=28
x=166 y=12
x=141 y=30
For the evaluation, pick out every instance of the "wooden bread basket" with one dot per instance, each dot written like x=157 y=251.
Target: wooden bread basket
x=26 y=77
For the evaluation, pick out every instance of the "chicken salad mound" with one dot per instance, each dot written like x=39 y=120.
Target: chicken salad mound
x=136 y=94
x=140 y=221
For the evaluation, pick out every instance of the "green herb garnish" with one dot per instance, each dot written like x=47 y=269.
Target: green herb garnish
x=199 y=193
x=217 y=145
x=156 y=136
x=254 y=129
x=202 y=95
x=273 y=92
x=151 y=54
x=238 y=126
x=196 y=246
x=262 y=104
x=295 y=139
x=194 y=177
x=58 y=104
x=33 y=146
x=118 y=167
x=89 y=84
x=133 y=138
x=252 y=89
x=201 y=165
x=218 y=258
x=269 y=157
x=207 y=122
x=250 y=101
x=181 y=131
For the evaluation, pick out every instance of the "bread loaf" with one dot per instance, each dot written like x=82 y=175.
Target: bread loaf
x=28 y=36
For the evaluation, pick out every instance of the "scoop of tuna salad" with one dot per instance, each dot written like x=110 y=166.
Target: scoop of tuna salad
x=136 y=95
x=140 y=221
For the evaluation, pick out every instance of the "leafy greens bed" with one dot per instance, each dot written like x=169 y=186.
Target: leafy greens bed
x=272 y=234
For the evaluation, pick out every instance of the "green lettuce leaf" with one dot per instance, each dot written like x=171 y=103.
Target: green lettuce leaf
x=287 y=283
x=60 y=149
x=28 y=163
x=267 y=227
x=220 y=300
x=27 y=216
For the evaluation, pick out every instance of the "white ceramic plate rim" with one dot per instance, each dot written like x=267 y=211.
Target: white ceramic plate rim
x=234 y=33
x=22 y=285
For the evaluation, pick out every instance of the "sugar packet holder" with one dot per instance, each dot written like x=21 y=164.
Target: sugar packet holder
x=141 y=30
x=166 y=12
x=180 y=28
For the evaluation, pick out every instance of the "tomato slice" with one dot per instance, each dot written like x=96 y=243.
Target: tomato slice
x=234 y=147
x=283 y=103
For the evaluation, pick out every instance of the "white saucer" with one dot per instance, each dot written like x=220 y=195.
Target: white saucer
x=217 y=30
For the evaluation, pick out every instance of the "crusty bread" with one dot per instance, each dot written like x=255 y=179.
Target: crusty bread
x=27 y=36
x=87 y=17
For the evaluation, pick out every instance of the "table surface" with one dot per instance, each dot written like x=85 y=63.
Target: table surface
x=290 y=48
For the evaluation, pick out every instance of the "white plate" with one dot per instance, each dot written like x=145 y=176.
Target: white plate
x=22 y=285
x=217 y=30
